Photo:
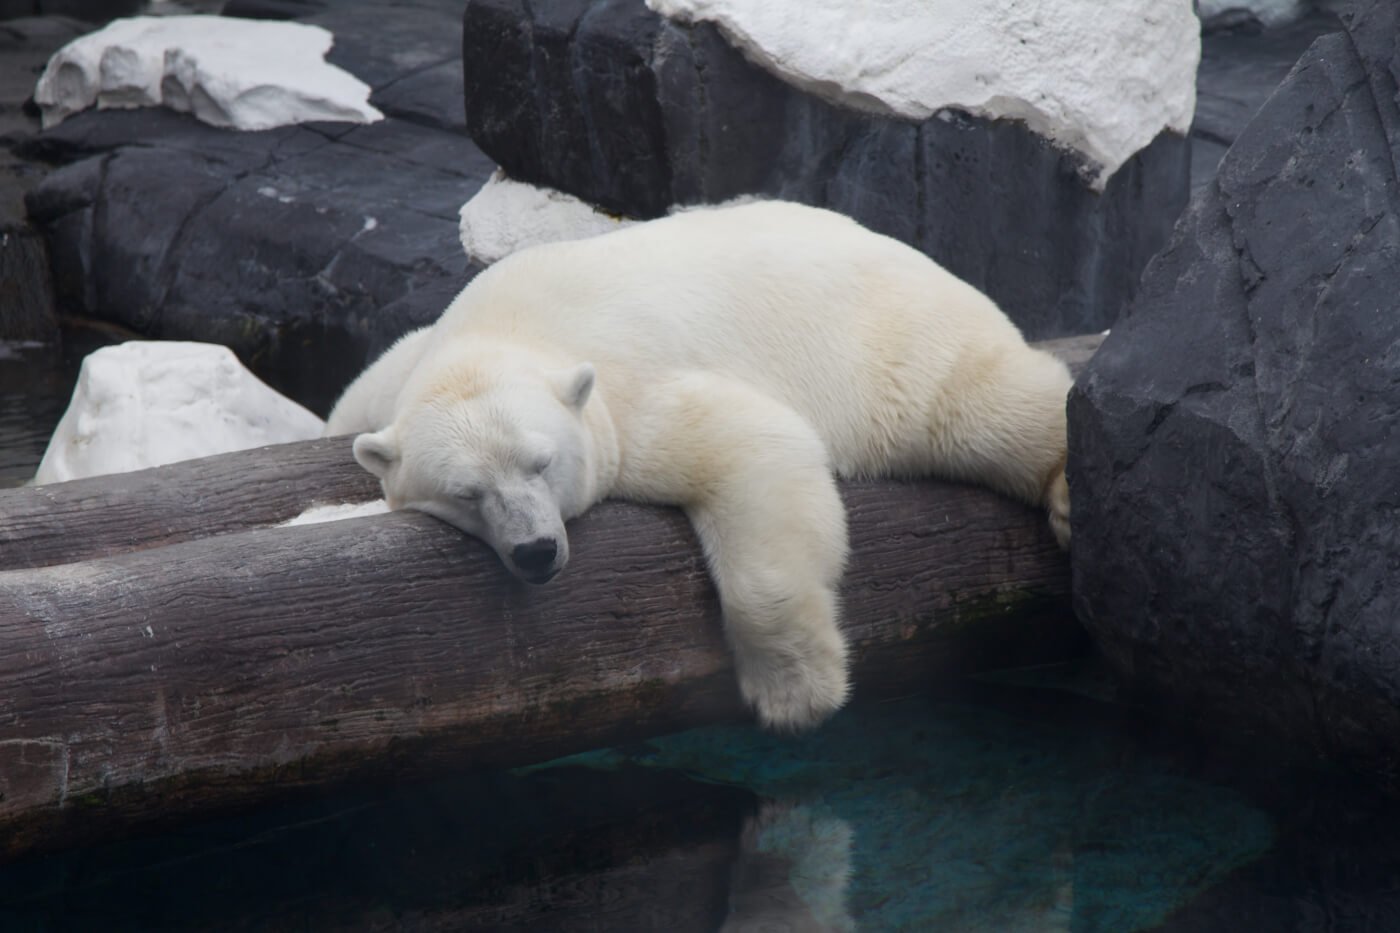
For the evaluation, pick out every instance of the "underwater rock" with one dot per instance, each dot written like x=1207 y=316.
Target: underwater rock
x=1232 y=445
x=633 y=112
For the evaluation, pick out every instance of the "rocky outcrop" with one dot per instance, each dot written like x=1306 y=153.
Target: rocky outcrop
x=1233 y=444
x=612 y=103
x=26 y=291
x=306 y=249
x=1241 y=64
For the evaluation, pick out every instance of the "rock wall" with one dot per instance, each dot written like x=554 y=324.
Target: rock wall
x=614 y=104
x=1233 y=446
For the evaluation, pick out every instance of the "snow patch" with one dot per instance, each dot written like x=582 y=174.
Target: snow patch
x=1103 y=77
x=334 y=513
x=240 y=73
x=145 y=403
x=506 y=216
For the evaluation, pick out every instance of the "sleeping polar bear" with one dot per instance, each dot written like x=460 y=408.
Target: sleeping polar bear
x=728 y=361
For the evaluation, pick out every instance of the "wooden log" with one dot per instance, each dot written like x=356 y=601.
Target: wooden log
x=113 y=514
x=239 y=667
x=208 y=672
x=106 y=515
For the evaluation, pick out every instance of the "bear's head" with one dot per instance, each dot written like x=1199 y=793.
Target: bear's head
x=505 y=461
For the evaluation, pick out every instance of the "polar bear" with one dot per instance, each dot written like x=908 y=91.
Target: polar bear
x=728 y=361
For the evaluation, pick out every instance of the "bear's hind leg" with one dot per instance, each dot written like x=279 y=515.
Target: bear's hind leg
x=1007 y=429
x=753 y=476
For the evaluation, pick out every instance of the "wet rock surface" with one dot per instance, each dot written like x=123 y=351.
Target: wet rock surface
x=306 y=249
x=27 y=310
x=1232 y=449
x=612 y=103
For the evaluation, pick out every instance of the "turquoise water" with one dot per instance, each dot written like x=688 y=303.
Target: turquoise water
x=1004 y=808
x=967 y=817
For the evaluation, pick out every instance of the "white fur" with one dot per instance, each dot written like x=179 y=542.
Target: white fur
x=742 y=355
x=368 y=404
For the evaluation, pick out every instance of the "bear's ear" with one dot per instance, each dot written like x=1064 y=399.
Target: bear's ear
x=573 y=386
x=377 y=452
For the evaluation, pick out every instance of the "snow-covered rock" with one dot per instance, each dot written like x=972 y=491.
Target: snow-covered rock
x=1103 y=77
x=240 y=73
x=145 y=403
x=506 y=215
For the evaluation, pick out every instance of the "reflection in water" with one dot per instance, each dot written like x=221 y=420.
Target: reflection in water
x=791 y=873
x=1040 y=816
x=1011 y=810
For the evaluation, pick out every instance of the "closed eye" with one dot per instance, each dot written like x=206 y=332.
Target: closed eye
x=541 y=463
x=469 y=496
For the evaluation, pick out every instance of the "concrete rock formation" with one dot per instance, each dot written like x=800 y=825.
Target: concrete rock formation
x=1233 y=445
x=1011 y=59
x=306 y=249
x=612 y=103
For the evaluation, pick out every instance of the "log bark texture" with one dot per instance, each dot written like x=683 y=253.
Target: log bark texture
x=105 y=515
x=140 y=682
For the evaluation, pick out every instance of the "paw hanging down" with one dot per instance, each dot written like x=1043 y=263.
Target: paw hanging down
x=796 y=676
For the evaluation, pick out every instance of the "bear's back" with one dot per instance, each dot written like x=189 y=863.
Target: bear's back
x=841 y=323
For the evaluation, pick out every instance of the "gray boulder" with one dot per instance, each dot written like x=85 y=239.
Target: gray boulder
x=306 y=249
x=27 y=309
x=610 y=102
x=1234 y=446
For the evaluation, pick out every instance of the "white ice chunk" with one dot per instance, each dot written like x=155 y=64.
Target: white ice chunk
x=145 y=403
x=334 y=513
x=240 y=73
x=507 y=215
x=1103 y=77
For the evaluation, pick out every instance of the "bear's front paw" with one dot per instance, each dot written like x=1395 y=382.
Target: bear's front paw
x=794 y=690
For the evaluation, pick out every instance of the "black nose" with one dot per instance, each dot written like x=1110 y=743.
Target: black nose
x=536 y=558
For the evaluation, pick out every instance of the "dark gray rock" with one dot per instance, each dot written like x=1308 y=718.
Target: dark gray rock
x=1329 y=861
x=91 y=11
x=273 y=9
x=305 y=254
x=608 y=101
x=27 y=310
x=306 y=249
x=1239 y=70
x=1234 y=446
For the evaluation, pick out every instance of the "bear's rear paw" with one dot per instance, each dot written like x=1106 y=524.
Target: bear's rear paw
x=793 y=691
x=1057 y=504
